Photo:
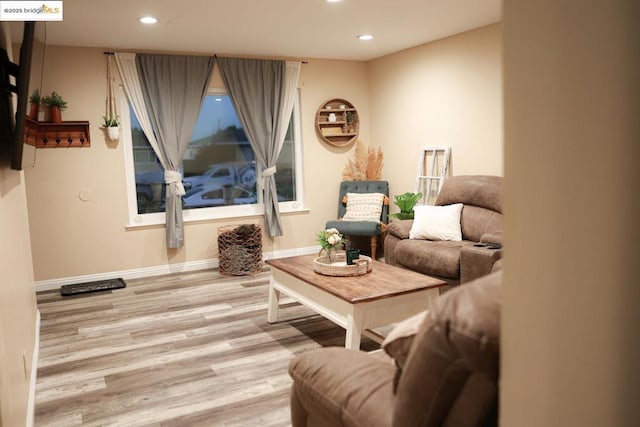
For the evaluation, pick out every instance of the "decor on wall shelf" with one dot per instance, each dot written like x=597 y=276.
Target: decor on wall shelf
x=366 y=164
x=35 y=100
x=111 y=118
x=337 y=122
x=56 y=105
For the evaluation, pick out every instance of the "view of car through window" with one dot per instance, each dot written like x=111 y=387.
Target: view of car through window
x=218 y=167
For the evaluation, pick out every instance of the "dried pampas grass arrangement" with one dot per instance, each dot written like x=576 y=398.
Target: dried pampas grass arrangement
x=365 y=166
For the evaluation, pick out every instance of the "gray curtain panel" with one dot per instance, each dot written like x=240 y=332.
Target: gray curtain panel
x=174 y=87
x=257 y=90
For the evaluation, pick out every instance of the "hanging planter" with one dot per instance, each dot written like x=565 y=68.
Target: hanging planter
x=113 y=133
x=111 y=119
x=112 y=126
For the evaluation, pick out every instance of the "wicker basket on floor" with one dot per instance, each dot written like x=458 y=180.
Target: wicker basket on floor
x=240 y=249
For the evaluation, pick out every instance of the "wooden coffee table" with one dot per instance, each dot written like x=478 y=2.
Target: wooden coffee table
x=385 y=295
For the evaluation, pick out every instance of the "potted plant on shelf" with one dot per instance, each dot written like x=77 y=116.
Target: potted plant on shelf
x=34 y=99
x=112 y=125
x=56 y=104
x=406 y=202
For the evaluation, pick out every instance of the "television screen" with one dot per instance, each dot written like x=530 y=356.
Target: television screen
x=18 y=79
x=7 y=88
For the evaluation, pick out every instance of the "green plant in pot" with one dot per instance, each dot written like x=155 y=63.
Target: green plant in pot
x=34 y=99
x=112 y=125
x=56 y=104
x=406 y=202
x=111 y=121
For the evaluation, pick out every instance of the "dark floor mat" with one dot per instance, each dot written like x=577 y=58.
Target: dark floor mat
x=100 y=285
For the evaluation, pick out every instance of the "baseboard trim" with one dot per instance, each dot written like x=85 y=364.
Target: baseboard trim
x=31 y=403
x=183 y=267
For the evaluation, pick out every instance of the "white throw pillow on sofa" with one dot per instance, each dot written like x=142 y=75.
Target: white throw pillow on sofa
x=437 y=222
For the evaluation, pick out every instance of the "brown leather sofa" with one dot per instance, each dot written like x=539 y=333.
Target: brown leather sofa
x=455 y=261
x=449 y=376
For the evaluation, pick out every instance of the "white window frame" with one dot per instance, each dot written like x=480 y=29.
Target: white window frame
x=205 y=214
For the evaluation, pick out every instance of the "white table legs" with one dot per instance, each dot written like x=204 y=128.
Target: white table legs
x=274 y=303
x=354 y=329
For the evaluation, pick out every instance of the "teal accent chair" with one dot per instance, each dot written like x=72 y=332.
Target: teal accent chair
x=362 y=228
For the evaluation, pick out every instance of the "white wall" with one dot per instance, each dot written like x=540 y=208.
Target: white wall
x=572 y=142
x=17 y=294
x=17 y=299
x=445 y=93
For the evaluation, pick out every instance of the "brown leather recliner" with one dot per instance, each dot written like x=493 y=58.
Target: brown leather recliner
x=449 y=378
x=455 y=261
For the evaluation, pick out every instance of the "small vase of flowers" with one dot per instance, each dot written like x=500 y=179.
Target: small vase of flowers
x=330 y=240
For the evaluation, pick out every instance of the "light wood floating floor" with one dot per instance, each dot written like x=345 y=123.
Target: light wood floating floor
x=190 y=349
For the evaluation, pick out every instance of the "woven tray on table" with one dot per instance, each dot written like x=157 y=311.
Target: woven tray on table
x=339 y=267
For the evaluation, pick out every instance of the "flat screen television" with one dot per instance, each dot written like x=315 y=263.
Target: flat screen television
x=15 y=79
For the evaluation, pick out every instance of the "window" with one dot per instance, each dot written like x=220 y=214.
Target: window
x=219 y=169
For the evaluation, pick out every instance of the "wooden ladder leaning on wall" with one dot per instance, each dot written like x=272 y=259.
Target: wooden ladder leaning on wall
x=433 y=166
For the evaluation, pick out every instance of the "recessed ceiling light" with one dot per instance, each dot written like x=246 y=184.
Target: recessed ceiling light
x=333 y=1
x=365 y=36
x=148 y=20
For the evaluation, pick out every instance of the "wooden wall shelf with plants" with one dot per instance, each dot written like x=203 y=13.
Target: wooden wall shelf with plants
x=337 y=122
x=57 y=135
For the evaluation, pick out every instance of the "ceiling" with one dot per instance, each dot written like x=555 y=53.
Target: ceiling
x=282 y=28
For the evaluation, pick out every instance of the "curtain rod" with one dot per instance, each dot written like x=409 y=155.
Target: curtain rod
x=215 y=56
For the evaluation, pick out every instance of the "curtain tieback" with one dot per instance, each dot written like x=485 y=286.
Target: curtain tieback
x=174 y=178
x=269 y=171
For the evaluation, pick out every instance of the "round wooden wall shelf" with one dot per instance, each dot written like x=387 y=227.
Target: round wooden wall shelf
x=337 y=122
